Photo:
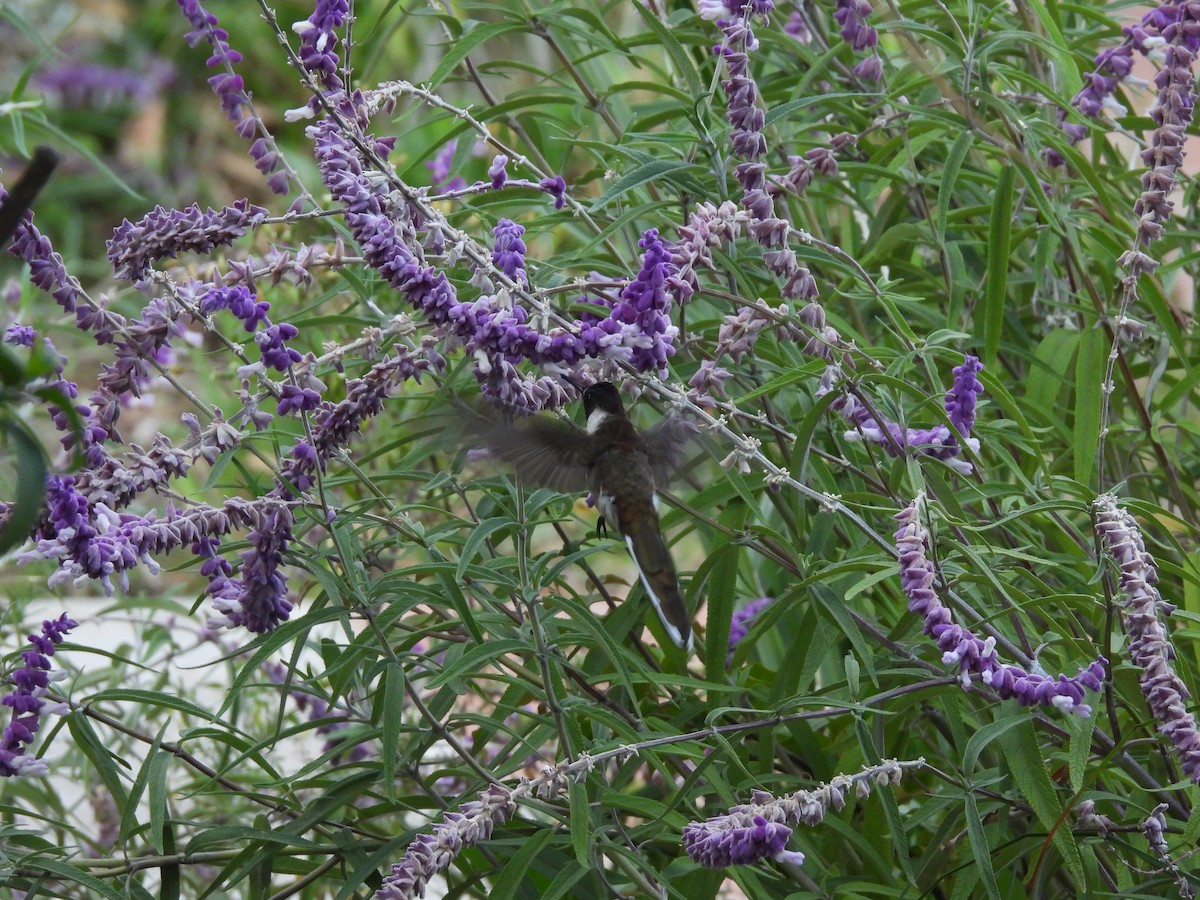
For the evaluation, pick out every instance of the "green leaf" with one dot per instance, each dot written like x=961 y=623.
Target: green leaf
x=581 y=823
x=980 y=848
x=954 y=160
x=508 y=881
x=1029 y=771
x=990 y=318
x=30 y=486
x=392 y=723
x=646 y=172
x=462 y=46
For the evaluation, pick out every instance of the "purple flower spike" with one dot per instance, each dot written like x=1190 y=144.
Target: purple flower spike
x=32 y=683
x=960 y=399
x=938 y=442
x=738 y=839
x=164 y=233
x=1149 y=643
x=509 y=251
x=974 y=657
x=431 y=853
x=760 y=829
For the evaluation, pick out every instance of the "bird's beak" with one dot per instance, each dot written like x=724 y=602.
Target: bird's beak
x=572 y=382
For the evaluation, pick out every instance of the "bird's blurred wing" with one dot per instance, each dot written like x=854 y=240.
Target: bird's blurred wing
x=543 y=452
x=666 y=445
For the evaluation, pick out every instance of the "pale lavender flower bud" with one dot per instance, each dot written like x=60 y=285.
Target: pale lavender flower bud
x=852 y=16
x=497 y=172
x=708 y=381
x=1155 y=830
x=1087 y=819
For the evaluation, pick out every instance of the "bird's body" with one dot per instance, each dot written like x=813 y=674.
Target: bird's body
x=623 y=469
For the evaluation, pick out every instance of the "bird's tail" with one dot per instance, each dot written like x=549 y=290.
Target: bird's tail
x=657 y=571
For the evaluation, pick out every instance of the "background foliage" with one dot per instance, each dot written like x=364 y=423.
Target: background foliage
x=453 y=630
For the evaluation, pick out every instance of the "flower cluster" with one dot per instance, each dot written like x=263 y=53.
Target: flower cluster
x=495 y=333
x=1166 y=22
x=939 y=441
x=431 y=853
x=760 y=829
x=27 y=700
x=1149 y=646
x=975 y=657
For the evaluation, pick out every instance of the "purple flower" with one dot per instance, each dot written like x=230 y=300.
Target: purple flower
x=738 y=839
x=938 y=442
x=31 y=684
x=439 y=166
x=496 y=333
x=709 y=381
x=272 y=342
x=164 y=233
x=973 y=656
x=94 y=86
x=852 y=16
x=743 y=620
x=20 y=335
x=228 y=85
x=761 y=828
x=240 y=301
x=556 y=187
x=429 y=854
x=1149 y=644
x=292 y=398
x=318 y=39
x=508 y=253
x=960 y=399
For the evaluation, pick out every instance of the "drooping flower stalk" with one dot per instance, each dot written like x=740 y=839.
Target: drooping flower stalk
x=1149 y=644
x=975 y=657
x=429 y=854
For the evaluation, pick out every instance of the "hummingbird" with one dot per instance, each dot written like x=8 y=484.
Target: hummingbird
x=622 y=468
